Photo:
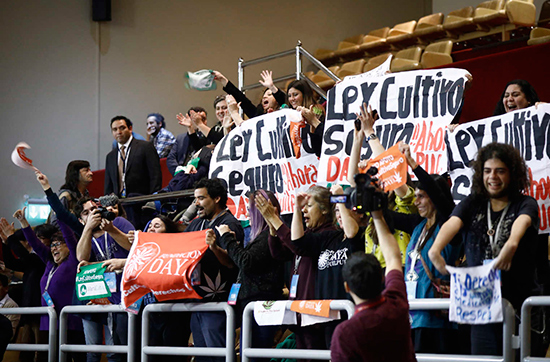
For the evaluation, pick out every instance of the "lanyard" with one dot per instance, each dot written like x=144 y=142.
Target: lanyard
x=494 y=234
x=106 y=248
x=211 y=221
x=373 y=304
x=415 y=255
x=124 y=165
x=297 y=260
x=50 y=276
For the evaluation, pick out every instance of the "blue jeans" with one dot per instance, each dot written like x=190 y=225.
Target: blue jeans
x=208 y=330
x=93 y=332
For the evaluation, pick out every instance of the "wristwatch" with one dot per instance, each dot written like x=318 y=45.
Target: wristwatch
x=371 y=137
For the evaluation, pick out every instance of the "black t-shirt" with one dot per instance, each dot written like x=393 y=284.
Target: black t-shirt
x=518 y=282
x=216 y=279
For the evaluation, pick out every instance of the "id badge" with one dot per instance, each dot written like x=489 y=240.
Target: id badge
x=48 y=299
x=294 y=285
x=234 y=293
x=110 y=279
x=411 y=289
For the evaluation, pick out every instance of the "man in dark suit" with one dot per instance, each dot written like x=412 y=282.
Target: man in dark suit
x=133 y=167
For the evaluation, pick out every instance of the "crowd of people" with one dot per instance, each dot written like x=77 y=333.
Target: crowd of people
x=323 y=250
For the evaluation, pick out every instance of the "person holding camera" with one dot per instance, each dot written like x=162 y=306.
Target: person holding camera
x=431 y=333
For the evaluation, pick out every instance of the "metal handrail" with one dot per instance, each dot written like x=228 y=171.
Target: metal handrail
x=508 y=327
x=160 y=196
x=298 y=52
x=95 y=309
x=525 y=326
x=228 y=351
x=246 y=336
x=51 y=347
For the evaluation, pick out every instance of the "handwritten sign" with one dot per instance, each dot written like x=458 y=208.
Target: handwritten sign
x=392 y=168
x=475 y=295
x=527 y=130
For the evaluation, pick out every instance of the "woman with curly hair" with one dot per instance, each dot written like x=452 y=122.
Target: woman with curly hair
x=517 y=94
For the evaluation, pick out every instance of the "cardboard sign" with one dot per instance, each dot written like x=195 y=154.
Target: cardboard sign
x=475 y=295
x=162 y=264
x=392 y=168
x=90 y=283
x=527 y=130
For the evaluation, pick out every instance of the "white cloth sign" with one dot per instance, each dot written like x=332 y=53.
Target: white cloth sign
x=259 y=154
x=273 y=313
x=527 y=130
x=414 y=106
x=475 y=295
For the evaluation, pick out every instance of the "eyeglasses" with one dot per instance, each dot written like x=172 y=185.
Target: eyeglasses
x=56 y=244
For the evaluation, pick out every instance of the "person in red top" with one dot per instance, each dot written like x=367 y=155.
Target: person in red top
x=379 y=330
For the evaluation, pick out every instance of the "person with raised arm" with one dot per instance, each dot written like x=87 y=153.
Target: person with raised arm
x=58 y=281
x=401 y=200
x=497 y=222
x=379 y=330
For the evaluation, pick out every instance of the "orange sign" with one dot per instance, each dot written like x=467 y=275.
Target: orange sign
x=392 y=168
x=295 y=137
x=162 y=264
x=319 y=308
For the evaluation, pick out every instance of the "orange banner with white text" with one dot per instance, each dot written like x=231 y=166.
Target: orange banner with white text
x=162 y=264
x=319 y=308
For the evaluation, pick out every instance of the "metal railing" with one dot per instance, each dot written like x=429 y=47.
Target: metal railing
x=299 y=52
x=525 y=326
x=510 y=342
x=246 y=337
x=228 y=351
x=95 y=309
x=51 y=347
x=158 y=196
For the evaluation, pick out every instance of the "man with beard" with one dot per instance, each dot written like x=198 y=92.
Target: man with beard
x=103 y=240
x=216 y=271
x=498 y=222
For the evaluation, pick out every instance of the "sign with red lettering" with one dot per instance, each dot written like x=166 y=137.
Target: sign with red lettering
x=414 y=107
x=392 y=168
x=162 y=264
x=527 y=130
x=264 y=153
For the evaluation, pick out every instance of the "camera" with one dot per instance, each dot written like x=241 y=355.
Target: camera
x=366 y=196
x=106 y=214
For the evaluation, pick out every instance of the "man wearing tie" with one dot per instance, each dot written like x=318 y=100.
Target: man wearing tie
x=132 y=168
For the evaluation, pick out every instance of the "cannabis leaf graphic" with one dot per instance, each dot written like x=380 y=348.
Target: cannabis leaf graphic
x=213 y=288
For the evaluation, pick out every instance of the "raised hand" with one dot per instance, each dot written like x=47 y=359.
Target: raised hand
x=267 y=80
x=405 y=149
x=42 y=179
x=367 y=119
x=220 y=77
x=20 y=216
x=7 y=228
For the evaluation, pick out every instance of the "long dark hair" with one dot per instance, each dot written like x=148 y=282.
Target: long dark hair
x=519 y=178
x=307 y=92
x=170 y=225
x=257 y=221
x=526 y=88
x=72 y=175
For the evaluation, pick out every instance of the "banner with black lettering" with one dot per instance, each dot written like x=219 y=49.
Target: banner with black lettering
x=527 y=130
x=414 y=106
x=270 y=152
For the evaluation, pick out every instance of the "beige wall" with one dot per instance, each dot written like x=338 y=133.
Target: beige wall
x=63 y=77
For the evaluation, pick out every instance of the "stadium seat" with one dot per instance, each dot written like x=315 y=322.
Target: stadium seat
x=430 y=27
x=407 y=59
x=437 y=54
x=459 y=21
x=521 y=12
x=375 y=41
x=375 y=62
x=401 y=34
x=490 y=14
x=351 y=68
x=539 y=36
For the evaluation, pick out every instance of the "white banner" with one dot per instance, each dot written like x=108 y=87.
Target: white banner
x=527 y=130
x=260 y=155
x=475 y=295
x=414 y=106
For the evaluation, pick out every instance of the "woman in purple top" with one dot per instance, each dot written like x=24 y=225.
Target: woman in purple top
x=58 y=282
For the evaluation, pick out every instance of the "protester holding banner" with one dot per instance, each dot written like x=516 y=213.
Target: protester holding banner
x=58 y=282
x=216 y=270
x=272 y=98
x=517 y=94
x=401 y=199
x=260 y=275
x=301 y=98
x=498 y=222
x=431 y=333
